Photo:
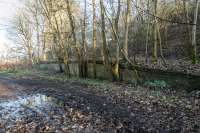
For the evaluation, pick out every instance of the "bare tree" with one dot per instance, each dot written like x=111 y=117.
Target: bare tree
x=72 y=24
x=103 y=33
x=25 y=33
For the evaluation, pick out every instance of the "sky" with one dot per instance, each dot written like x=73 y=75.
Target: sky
x=7 y=11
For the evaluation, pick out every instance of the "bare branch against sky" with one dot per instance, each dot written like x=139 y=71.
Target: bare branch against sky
x=7 y=11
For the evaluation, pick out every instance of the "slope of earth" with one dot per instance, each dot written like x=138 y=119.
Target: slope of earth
x=49 y=103
x=172 y=65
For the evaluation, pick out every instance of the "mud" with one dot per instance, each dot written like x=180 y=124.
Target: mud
x=35 y=105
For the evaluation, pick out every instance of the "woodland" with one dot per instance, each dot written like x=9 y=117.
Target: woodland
x=102 y=66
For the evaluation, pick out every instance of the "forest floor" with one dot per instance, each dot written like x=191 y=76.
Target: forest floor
x=34 y=101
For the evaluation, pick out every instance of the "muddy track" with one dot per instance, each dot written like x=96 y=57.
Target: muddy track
x=92 y=110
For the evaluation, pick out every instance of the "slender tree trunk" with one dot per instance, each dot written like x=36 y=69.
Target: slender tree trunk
x=38 y=41
x=44 y=55
x=37 y=30
x=85 y=57
x=160 y=45
x=127 y=21
x=166 y=35
x=103 y=33
x=94 y=40
x=155 y=48
x=147 y=36
x=188 y=36
x=194 y=29
x=115 y=65
x=30 y=53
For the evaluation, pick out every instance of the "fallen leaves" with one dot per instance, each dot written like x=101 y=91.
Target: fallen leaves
x=73 y=107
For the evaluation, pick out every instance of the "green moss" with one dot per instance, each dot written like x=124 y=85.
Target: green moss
x=156 y=84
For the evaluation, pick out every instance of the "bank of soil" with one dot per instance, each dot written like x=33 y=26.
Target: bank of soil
x=171 y=65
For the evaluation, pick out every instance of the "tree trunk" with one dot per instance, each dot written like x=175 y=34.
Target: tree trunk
x=30 y=53
x=37 y=30
x=115 y=65
x=194 y=29
x=94 y=40
x=44 y=55
x=103 y=33
x=160 y=45
x=187 y=28
x=72 y=24
x=127 y=21
x=84 y=63
x=147 y=36
x=155 y=48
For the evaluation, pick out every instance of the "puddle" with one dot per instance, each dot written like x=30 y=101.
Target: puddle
x=41 y=113
x=31 y=109
x=35 y=101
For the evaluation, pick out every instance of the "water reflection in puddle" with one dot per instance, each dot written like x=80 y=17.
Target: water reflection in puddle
x=37 y=100
x=31 y=108
x=41 y=113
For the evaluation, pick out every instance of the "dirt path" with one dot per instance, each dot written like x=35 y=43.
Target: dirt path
x=6 y=91
x=49 y=106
